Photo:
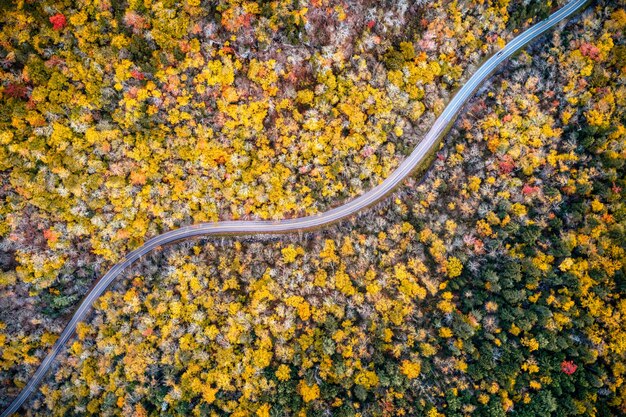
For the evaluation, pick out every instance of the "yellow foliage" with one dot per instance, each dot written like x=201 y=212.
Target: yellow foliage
x=367 y=379
x=289 y=254
x=208 y=394
x=410 y=369
x=283 y=373
x=263 y=411
x=308 y=392
x=445 y=332
x=454 y=267
x=328 y=253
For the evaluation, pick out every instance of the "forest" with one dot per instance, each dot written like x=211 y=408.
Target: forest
x=491 y=285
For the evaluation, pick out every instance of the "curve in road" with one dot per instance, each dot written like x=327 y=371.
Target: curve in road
x=374 y=195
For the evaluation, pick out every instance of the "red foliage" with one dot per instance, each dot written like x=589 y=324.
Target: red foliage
x=137 y=75
x=54 y=61
x=16 y=91
x=370 y=24
x=506 y=166
x=367 y=151
x=132 y=92
x=527 y=189
x=50 y=235
x=135 y=21
x=616 y=189
x=568 y=367
x=590 y=50
x=58 y=21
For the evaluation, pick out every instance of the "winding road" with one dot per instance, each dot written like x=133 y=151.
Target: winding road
x=419 y=154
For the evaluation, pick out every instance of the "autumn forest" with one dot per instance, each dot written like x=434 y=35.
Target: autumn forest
x=490 y=283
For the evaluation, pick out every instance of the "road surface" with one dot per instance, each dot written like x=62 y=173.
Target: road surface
x=374 y=195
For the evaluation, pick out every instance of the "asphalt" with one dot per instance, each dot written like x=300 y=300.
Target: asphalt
x=371 y=197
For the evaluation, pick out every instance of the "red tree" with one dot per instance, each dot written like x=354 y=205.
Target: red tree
x=58 y=21
x=568 y=367
x=16 y=91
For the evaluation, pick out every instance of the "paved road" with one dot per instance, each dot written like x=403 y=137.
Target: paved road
x=304 y=223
